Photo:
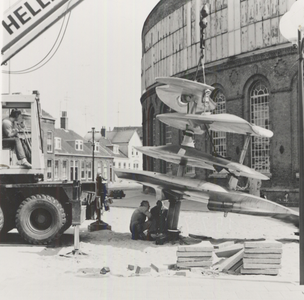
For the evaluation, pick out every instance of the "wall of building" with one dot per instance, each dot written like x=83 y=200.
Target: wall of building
x=243 y=47
x=171 y=34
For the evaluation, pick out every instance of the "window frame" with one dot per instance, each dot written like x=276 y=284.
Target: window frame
x=260 y=146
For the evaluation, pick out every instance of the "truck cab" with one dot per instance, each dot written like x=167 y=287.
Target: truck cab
x=30 y=134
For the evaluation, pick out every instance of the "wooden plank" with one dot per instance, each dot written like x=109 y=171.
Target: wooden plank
x=197 y=20
x=266 y=33
x=192 y=33
x=237 y=41
x=219 y=48
x=244 y=39
x=194 y=56
x=229 y=251
x=194 y=259
x=244 y=13
x=263 y=251
x=188 y=13
x=274 y=7
x=262 y=256
x=267 y=9
x=262 y=260
x=258 y=10
x=218 y=23
x=193 y=254
x=261 y=266
x=223 y=245
x=231 y=44
x=181 y=39
x=259 y=35
x=263 y=244
x=189 y=53
x=236 y=267
x=250 y=8
x=251 y=37
x=231 y=261
x=276 y=34
x=212 y=25
x=237 y=15
x=194 y=264
x=260 y=272
x=218 y=4
x=185 y=32
x=213 y=49
x=224 y=23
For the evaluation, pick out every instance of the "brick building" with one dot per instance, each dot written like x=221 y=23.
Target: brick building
x=254 y=72
x=69 y=157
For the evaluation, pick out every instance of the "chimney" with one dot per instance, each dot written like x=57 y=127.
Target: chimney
x=103 y=131
x=64 y=121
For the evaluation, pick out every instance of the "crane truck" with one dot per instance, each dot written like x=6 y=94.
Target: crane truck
x=40 y=210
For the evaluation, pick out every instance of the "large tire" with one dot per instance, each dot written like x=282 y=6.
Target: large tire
x=39 y=219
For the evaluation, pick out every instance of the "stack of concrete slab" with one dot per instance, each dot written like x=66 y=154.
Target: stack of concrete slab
x=262 y=258
x=198 y=255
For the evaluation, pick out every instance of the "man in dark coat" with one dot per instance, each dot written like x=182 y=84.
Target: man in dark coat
x=159 y=218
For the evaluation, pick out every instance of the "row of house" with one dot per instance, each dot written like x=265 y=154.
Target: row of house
x=69 y=156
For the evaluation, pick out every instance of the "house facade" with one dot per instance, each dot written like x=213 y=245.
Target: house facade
x=122 y=142
x=69 y=157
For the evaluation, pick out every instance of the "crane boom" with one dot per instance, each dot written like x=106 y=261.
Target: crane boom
x=25 y=21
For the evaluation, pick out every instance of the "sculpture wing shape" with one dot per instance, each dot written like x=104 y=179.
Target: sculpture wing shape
x=216 y=197
x=178 y=93
x=216 y=122
x=195 y=158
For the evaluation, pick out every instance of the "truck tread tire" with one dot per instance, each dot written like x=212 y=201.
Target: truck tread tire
x=39 y=219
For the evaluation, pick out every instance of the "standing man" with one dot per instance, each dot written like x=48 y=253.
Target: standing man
x=138 y=222
x=10 y=130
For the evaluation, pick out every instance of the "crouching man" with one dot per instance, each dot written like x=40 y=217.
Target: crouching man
x=138 y=222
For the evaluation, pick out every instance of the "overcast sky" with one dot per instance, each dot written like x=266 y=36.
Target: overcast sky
x=95 y=75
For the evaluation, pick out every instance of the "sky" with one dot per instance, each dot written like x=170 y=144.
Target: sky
x=95 y=74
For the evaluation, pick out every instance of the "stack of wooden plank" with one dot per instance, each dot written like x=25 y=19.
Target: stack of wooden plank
x=262 y=258
x=198 y=255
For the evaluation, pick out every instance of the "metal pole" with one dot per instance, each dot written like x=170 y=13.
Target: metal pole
x=93 y=150
x=301 y=158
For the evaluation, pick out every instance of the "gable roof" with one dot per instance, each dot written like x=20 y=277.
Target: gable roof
x=68 y=138
x=47 y=115
x=137 y=128
x=118 y=137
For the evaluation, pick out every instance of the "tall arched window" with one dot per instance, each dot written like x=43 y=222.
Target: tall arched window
x=151 y=137
x=219 y=137
x=259 y=115
x=166 y=138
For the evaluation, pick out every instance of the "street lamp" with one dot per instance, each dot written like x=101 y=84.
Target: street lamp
x=92 y=137
x=292 y=27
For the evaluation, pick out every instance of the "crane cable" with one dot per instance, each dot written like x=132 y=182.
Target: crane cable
x=32 y=68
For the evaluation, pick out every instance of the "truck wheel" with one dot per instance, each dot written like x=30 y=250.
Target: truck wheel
x=39 y=219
